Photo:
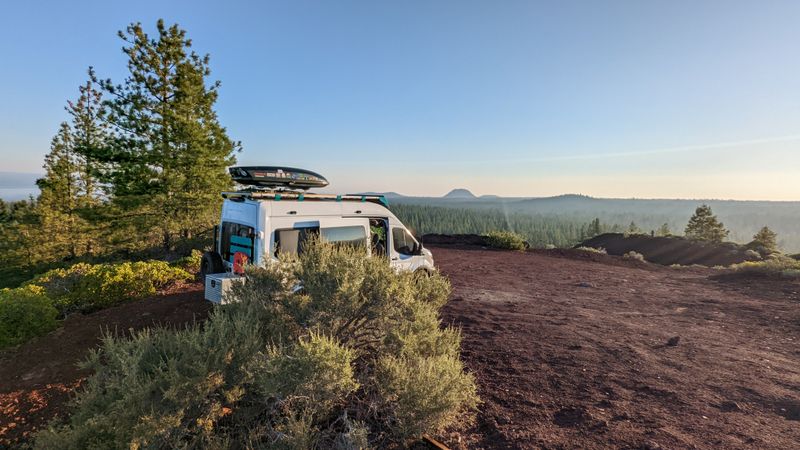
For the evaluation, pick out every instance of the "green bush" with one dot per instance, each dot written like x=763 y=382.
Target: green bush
x=190 y=263
x=88 y=287
x=776 y=265
x=25 y=313
x=356 y=358
x=505 y=240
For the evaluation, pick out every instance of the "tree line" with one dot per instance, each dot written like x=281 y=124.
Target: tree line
x=542 y=230
x=139 y=162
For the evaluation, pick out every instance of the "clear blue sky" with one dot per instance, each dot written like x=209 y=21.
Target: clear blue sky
x=624 y=99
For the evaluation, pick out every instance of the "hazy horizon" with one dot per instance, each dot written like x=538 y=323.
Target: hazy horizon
x=617 y=99
x=25 y=186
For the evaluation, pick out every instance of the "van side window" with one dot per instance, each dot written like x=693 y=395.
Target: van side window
x=291 y=240
x=354 y=236
x=402 y=241
x=236 y=238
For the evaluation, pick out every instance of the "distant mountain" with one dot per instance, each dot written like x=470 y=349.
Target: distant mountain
x=460 y=194
x=18 y=186
x=16 y=180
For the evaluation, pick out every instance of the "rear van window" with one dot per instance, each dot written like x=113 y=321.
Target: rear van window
x=236 y=238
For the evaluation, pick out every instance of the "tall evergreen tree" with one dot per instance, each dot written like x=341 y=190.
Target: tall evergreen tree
x=60 y=226
x=91 y=138
x=704 y=225
x=664 y=230
x=169 y=160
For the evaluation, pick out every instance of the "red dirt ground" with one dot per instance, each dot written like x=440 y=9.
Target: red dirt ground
x=569 y=351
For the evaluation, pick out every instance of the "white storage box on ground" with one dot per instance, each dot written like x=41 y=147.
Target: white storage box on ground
x=219 y=284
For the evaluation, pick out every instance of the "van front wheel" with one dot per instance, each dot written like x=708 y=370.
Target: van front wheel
x=211 y=263
x=423 y=273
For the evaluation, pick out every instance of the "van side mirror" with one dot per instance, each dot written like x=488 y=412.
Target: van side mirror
x=417 y=248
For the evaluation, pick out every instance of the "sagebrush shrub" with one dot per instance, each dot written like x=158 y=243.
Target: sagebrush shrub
x=329 y=349
x=600 y=250
x=88 y=287
x=505 y=240
x=633 y=256
x=25 y=312
x=773 y=265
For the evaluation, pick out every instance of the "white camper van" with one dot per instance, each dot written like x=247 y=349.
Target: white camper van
x=258 y=225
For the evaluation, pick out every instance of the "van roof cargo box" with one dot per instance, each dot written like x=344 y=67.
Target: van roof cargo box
x=276 y=177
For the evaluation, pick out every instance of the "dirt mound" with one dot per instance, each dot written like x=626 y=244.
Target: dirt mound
x=38 y=378
x=671 y=250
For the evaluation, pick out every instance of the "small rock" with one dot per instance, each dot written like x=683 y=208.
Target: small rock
x=673 y=341
x=585 y=284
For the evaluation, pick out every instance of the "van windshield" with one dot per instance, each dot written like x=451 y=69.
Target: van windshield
x=292 y=241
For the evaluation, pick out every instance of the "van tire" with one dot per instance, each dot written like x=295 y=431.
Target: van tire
x=423 y=273
x=211 y=263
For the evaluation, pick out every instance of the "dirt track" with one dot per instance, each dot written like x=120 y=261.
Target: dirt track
x=569 y=350
x=574 y=354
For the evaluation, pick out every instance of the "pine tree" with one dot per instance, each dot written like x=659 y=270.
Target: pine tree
x=633 y=229
x=169 y=160
x=664 y=230
x=595 y=228
x=91 y=137
x=767 y=239
x=704 y=225
x=58 y=233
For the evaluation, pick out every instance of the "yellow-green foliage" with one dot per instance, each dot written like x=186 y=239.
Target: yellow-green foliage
x=633 y=256
x=505 y=240
x=25 y=313
x=89 y=287
x=190 y=263
x=326 y=350
x=773 y=265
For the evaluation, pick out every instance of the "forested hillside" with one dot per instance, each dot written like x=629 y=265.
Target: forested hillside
x=566 y=220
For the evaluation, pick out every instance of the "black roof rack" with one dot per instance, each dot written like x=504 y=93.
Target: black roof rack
x=278 y=195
